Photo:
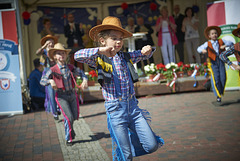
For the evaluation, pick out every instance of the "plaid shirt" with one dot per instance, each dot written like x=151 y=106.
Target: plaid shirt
x=89 y=56
x=224 y=55
x=65 y=71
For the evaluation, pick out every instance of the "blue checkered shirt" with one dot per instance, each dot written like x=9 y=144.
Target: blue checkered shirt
x=89 y=56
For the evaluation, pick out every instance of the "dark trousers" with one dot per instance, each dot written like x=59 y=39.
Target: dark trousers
x=180 y=50
x=218 y=78
x=37 y=103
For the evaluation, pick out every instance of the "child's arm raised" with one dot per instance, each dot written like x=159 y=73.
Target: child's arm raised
x=144 y=54
x=108 y=51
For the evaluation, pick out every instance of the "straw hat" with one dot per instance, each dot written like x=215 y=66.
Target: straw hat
x=235 y=32
x=207 y=29
x=109 y=23
x=44 y=39
x=57 y=47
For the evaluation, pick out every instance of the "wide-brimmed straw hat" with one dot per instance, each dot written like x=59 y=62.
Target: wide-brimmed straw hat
x=236 y=31
x=207 y=29
x=45 y=38
x=57 y=47
x=109 y=23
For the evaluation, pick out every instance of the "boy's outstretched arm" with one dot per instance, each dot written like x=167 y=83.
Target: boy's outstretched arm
x=138 y=55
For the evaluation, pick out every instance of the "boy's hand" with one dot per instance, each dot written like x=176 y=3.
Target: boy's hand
x=108 y=51
x=222 y=47
x=53 y=84
x=146 y=50
x=204 y=51
x=84 y=84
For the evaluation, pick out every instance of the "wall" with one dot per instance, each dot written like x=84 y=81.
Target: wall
x=31 y=39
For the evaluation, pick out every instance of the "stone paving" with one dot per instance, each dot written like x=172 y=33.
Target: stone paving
x=193 y=127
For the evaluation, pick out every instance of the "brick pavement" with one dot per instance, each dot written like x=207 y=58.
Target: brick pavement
x=29 y=137
x=192 y=127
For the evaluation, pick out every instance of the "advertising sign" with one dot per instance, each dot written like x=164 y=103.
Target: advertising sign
x=10 y=85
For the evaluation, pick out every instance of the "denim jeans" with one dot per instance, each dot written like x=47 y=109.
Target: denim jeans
x=123 y=116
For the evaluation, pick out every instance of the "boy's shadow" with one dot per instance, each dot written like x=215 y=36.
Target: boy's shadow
x=227 y=103
x=95 y=137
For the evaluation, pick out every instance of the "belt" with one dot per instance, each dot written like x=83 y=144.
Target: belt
x=61 y=91
x=129 y=97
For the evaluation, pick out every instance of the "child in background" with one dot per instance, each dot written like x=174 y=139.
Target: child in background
x=214 y=47
x=47 y=43
x=130 y=132
x=235 y=49
x=61 y=78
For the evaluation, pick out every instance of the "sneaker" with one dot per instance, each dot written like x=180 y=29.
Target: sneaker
x=69 y=143
x=219 y=100
x=56 y=118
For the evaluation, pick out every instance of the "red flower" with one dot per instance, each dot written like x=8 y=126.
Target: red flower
x=205 y=63
x=180 y=64
x=160 y=66
x=92 y=73
x=165 y=69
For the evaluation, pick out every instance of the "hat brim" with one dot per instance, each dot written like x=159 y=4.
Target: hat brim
x=95 y=30
x=218 y=29
x=236 y=31
x=51 y=52
x=44 y=39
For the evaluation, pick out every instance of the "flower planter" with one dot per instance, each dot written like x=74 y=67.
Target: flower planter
x=91 y=83
x=151 y=76
x=189 y=72
x=180 y=74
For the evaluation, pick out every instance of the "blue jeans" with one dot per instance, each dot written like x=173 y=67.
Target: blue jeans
x=124 y=116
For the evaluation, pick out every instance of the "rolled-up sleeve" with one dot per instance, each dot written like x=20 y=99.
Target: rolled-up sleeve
x=202 y=47
x=137 y=56
x=45 y=78
x=87 y=56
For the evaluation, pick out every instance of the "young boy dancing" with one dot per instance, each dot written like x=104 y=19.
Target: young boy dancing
x=214 y=47
x=130 y=132
x=61 y=78
x=235 y=49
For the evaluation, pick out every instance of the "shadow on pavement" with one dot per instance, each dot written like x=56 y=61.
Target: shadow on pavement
x=97 y=114
x=230 y=102
x=95 y=137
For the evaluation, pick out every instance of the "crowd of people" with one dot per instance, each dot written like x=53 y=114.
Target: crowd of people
x=127 y=123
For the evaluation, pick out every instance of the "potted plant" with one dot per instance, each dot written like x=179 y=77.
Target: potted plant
x=180 y=69
x=168 y=73
x=150 y=70
x=92 y=78
x=160 y=69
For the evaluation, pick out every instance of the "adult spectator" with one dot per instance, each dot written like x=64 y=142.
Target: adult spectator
x=47 y=28
x=190 y=27
x=37 y=91
x=146 y=40
x=73 y=32
x=178 y=17
x=87 y=41
x=166 y=28
x=131 y=25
